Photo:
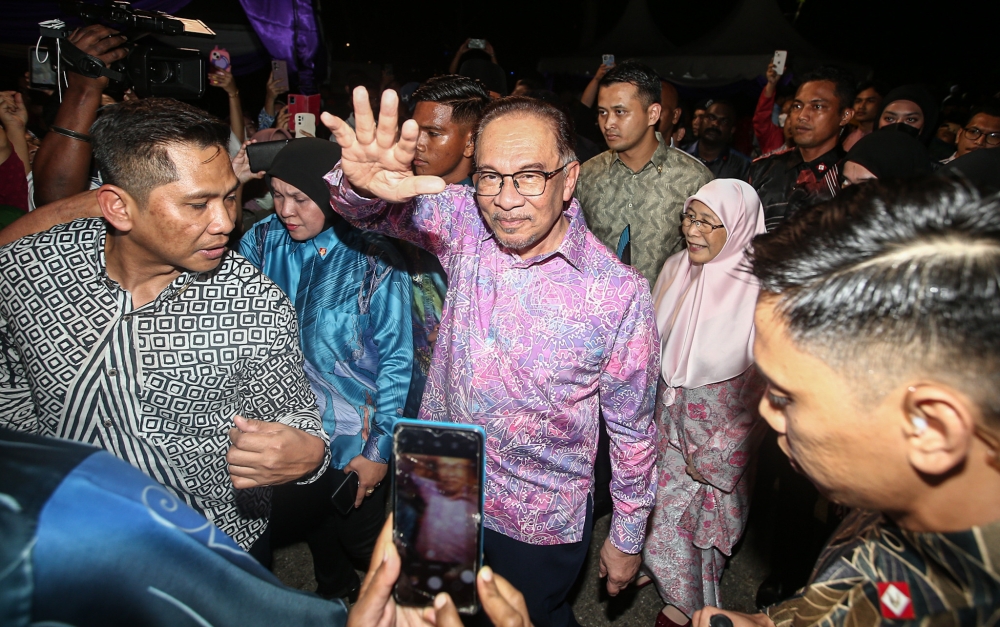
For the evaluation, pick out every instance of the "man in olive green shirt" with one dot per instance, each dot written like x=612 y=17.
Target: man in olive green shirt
x=641 y=182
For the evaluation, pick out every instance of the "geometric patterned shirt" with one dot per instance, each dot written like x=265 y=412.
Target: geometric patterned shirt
x=874 y=573
x=156 y=386
x=531 y=350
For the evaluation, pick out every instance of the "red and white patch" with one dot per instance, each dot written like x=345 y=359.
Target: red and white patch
x=322 y=252
x=894 y=600
x=821 y=167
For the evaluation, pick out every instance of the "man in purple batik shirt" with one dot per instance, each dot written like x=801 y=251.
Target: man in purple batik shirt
x=542 y=328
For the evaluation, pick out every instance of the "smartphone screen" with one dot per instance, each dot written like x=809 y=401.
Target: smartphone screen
x=437 y=505
x=42 y=74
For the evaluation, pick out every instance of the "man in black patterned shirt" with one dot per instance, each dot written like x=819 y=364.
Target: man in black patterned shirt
x=141 y=333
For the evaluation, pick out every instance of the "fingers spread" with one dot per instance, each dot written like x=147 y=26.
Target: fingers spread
x=364 y=119
x=340 y=129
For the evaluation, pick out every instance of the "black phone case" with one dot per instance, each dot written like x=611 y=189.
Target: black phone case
x=261 y=155
x=346 y=493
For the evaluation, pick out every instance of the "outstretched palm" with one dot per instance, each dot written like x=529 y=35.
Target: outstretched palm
x=374 y=161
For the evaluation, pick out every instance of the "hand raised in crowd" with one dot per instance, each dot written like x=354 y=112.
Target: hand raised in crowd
x=101 y=42
x=270 y=453
x=370 y=474
x=374 y=161
x=241 y=165
x=620 y=568
x=281 y=121
x=13 y=113
x=274 y=89
x=772 y=80
x=602 y=70
x=503 y=604
x=703 y=617
x=224 y=79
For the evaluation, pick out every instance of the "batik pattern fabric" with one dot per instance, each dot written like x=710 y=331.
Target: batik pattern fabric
x=648 y=200
x=352 y=296
x=90 y=541
x=158 y=385
x=531 y=349
x=874 y=573
x=716 y=429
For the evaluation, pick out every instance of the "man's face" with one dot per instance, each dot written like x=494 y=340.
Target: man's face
x=622 y=118
x=453 y=475
x=866 y=105
x=986 y=124
x=444 y=148
x=717 y=128
x=670 y=113
x=186 y=224
x=530 y=225
x=301 y=216
x=815 y=114
x=697 y=120
x=902 y=112
x=852 y=451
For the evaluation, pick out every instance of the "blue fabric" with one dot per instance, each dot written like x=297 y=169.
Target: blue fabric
x=112 y=547
x=353 y=299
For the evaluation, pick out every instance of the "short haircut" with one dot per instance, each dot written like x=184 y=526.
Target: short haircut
x=466 y=96
x=522 y=106
x=131 y=139
x=880 y=88
x=843 y=82
x=895 y=278
x=645 y=79
x=724 y=103
x=991 y=109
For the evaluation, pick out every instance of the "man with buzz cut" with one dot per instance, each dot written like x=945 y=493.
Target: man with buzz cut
x=876 y=328
x=641 y=182
x=141 y=333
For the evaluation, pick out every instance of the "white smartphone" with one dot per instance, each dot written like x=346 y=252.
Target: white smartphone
x=305 y=123
x=780 y=56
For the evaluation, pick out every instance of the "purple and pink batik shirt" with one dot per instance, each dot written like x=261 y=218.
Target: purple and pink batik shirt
x=531 y=350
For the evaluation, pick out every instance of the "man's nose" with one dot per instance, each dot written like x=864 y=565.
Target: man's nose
x=224 y=218
x=509 y=198
x=422 y=142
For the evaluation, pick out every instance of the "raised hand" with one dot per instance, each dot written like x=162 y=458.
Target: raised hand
x=374 y=161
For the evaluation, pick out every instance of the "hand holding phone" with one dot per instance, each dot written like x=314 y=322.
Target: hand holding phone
x=219 y=58
x=305 y=125
x=345 y=494
x=608 y=59
x=780 y=57
x=279 y=76
x=437 y=511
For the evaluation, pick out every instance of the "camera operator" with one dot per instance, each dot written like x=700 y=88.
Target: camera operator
x=62 y=165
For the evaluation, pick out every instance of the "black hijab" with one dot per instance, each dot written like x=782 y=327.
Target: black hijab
x=303 y=163
x=928 y=105
x=891 y=155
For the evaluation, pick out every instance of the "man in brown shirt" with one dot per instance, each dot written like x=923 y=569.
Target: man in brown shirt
x=640 y=182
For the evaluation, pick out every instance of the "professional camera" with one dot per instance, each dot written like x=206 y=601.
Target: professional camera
x=150 y=70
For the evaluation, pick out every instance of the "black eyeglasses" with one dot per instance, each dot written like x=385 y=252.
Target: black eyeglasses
x=974 y=133
x=705 y=227
x=526 y=182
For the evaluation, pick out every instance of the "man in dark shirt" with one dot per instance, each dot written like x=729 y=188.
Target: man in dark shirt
x=714 y=147
x=822 y=107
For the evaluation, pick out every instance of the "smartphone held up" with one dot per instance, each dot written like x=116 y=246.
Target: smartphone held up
x=438 y=511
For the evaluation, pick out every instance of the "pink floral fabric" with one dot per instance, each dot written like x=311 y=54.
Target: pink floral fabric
x=716 y=428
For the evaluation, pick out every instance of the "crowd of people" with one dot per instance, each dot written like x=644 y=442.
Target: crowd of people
x=195 y=353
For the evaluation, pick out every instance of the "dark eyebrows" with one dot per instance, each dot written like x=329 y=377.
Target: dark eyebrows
x=531 y=166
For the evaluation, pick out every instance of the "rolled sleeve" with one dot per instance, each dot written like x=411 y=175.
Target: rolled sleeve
x=628 y=391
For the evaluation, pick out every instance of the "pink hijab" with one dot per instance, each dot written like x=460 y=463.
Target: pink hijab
x=704 y=312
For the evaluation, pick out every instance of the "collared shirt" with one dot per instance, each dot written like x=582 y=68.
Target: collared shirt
x=350 y=295
x=873 y=573
x=156 y=386
x=730 y=164
x=531 y=349
x=649 y=201
x=785 y=182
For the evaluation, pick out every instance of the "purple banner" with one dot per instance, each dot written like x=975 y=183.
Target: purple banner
x=288 y=30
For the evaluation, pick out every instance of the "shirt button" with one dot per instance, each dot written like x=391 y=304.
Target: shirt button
x=630 y=204
x=113 y=372
x=126 y=317
x=107 y=422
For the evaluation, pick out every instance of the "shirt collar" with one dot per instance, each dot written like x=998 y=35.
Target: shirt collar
x=659 y=158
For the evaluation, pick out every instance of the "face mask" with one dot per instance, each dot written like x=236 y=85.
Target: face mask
x=781 y=119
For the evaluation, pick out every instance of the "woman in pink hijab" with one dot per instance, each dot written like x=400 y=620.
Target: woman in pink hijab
x=707 y=399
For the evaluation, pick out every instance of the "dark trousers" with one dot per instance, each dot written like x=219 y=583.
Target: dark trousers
x=543 y=574
x=339 y=543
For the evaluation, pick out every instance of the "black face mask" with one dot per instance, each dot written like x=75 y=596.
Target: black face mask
x=901 y=128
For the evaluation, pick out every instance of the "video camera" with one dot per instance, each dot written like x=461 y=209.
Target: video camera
x=150 y=70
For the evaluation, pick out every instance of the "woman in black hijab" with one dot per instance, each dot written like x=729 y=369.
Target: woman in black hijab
x=885 y=154
x=910 y=108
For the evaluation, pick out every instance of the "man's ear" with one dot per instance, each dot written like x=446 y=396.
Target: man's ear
x=846 y=116
x=653 y=113
x=939 y=425
x=572 y=173
x=117 y=207
x=677 y=116
x=470 y=146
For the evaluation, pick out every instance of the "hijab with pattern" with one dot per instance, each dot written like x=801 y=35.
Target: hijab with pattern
x=704 y=312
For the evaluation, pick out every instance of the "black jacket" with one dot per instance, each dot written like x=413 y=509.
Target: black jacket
x=785 y=182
